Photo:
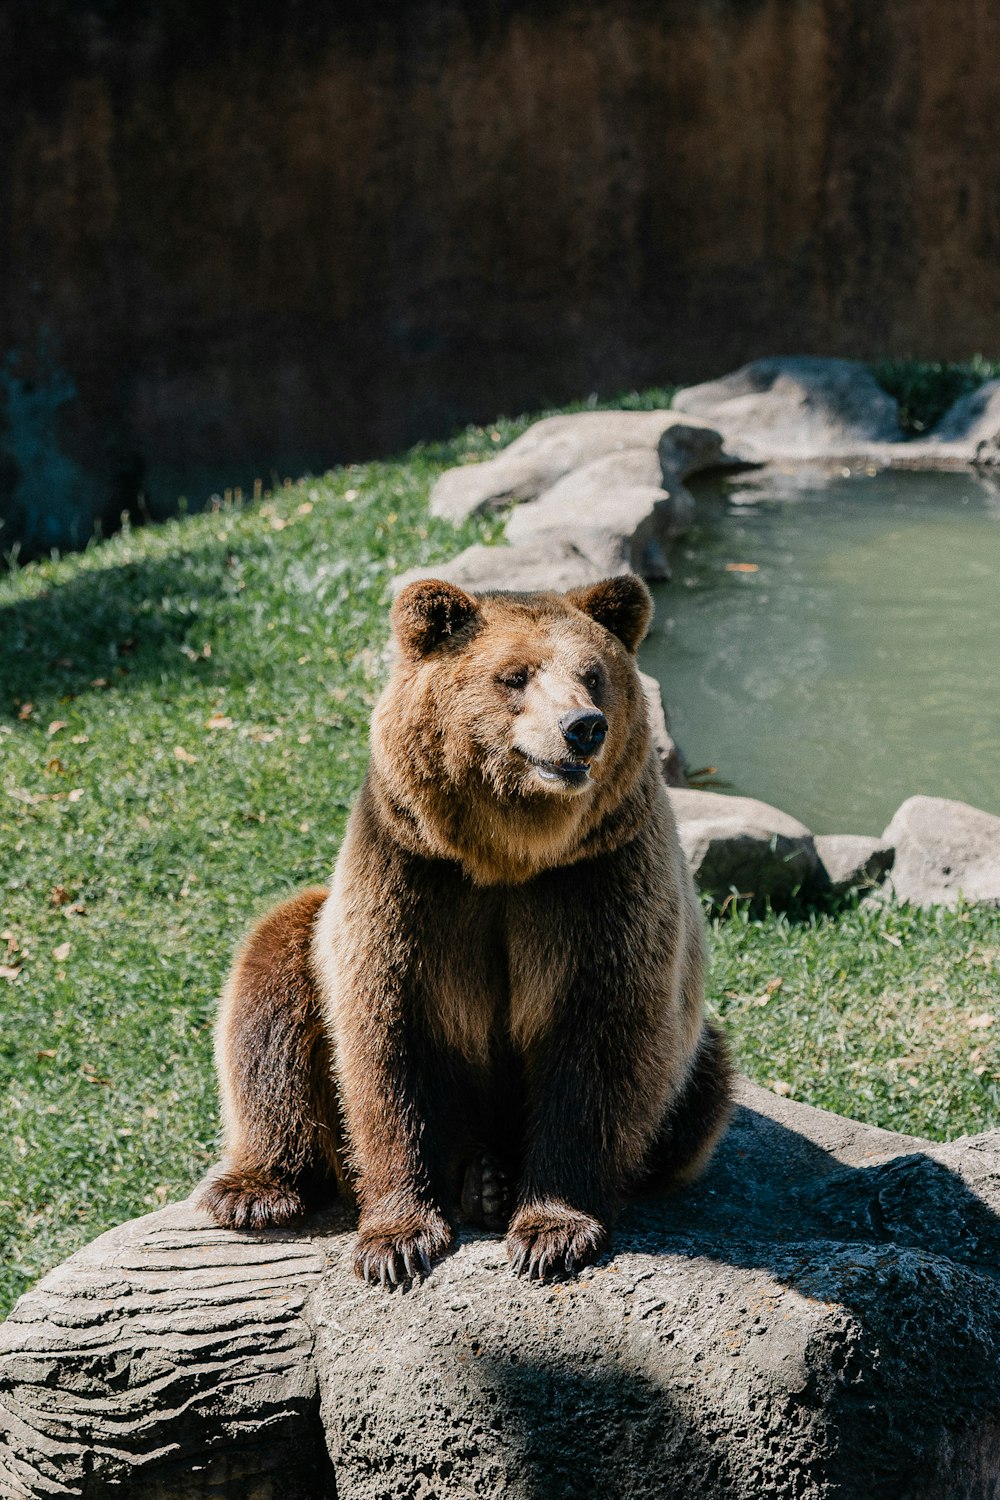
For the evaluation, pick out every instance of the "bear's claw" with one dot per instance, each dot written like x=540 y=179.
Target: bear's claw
x=249 y=1200
x=486 y=1196
x=392 y=1255
x=545 y=1244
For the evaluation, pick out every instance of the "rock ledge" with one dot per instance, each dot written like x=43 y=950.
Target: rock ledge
x=819 y=1316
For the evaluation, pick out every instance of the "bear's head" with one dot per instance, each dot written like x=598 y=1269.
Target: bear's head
x=512 y=724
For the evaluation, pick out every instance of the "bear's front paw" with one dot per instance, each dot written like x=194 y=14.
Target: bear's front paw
x=546 y=1241
x=250 y=1200
x=394 y=1252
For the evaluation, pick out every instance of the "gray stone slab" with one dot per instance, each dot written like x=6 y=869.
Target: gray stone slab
x=818 y=1317
x=743 y=846
x=853 y=861
x=548 y=450
x=796 y=406
x=943 y=849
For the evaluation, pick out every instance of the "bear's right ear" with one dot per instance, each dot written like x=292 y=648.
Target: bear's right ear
x=428 y=612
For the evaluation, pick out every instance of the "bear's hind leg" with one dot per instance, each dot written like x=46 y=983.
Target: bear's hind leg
x=282 y=1129
x=695 y=1120
x=487 y=1199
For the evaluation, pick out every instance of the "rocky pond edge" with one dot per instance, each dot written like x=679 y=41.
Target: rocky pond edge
x=594 y=493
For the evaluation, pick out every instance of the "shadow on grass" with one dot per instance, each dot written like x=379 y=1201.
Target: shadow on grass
x=102 y=627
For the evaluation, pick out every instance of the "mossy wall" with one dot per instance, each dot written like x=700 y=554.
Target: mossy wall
x=245 y=238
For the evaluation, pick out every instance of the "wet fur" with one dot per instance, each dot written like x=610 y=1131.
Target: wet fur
x=506 y=982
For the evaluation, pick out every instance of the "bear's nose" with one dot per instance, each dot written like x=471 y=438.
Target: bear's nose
x=584 y=730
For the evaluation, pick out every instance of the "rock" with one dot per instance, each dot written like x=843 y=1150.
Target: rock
x=742 y=845
x=944 y=848
x=623 y=508
x=819 y=1315
x=795 y=407
x=552 y=562
x=540 y=457
x=534 y=461
x=150 y=1358
x=667 y=753
x=852 y=860
x=973 y=419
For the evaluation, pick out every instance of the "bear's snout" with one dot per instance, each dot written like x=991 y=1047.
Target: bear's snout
x=584 y=730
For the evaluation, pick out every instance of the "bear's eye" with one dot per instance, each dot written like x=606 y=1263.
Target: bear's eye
x=592 y=679
x=515 y=678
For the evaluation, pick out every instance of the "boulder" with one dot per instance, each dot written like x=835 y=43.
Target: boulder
x=556 y=446
x=551 y=562
x=795 y=407
x=623 y=508
x=818 y=1316
x=534 y=461
x=973 y=419
x=944 y=849
x=742 y=846
x=667 y=752
x=853 y=860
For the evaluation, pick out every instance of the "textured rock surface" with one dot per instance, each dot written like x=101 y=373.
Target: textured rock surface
x=819 y=1317
x=542 y=455
x=554 y=562
x=169 y=1357
x=795 y=405
x=668 y=754
x=944 y=848
x=852 y=860
x=610 y=484
x=742 y=845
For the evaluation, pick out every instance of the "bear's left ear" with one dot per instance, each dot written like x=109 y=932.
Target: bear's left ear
x=428 y=612
x=622 y=605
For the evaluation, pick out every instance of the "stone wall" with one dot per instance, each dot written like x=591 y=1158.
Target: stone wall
x=252 y=238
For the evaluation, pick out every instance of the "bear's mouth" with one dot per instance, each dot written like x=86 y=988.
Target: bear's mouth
x=563 y=772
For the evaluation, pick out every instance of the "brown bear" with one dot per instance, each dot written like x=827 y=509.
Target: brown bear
x=498 y=1007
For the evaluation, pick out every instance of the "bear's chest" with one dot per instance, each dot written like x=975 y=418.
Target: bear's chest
x=464 y=962
x=492 y=965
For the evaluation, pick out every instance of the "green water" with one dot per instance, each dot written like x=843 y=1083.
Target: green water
x=859 y=664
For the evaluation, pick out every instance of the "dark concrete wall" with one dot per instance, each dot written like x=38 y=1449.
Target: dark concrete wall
x=245 y=236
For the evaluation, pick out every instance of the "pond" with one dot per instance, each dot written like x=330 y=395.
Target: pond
x=832 y=646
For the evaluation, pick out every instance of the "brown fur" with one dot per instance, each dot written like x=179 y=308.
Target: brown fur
x=506 y=977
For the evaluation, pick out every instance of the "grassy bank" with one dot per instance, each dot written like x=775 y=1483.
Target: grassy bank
x=183 y=717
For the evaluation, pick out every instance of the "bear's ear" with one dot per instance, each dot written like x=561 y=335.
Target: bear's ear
x=428 y=612
x=622 y=605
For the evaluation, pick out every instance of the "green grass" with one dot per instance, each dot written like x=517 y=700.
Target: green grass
x=183 y=717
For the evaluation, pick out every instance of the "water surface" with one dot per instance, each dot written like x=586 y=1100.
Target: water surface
x=833 y=647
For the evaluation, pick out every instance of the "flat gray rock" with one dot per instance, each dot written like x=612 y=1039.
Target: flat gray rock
x=737 y=844
x=534 y=461
x=796 y=406
x=944 y=848
x=623 y=508
x=853 y=861
x=555 y=562
x=818 y=1317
